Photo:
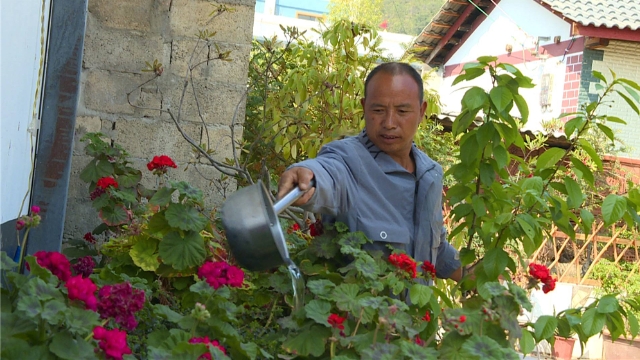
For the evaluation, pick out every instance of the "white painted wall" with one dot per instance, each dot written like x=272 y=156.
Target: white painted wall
x=519 y=23
x=22 y=42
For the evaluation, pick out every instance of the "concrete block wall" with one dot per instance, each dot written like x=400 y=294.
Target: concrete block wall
x=622 y=58
x=122 y=35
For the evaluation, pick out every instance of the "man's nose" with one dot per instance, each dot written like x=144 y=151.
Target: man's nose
x=390 y=121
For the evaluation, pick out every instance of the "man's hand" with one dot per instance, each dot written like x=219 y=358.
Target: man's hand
x=296 y=176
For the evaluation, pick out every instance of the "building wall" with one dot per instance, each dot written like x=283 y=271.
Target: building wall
x=511 y=24
x=622 y=58
x=289 y=8
x=122 y=35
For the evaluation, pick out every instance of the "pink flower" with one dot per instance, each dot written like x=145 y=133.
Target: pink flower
x=107 y=182
x=205 y=340
x=404 y=262
x=84 y=290
x=35 y=209
x=219 y=273
x=84 y=266
x=161 y=163
x=55 y=262
x=112 y=342
x=20 y=224
x=429 y=269
x=120 y=302
x=336 y=321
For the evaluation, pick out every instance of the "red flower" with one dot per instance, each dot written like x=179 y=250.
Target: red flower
x=293 y=228
x=205 y=340
x=120 y=302
x=84 y=290
x=539 y=271
x=429 y=269
x=112 y=342
x=418 y=341
x=20 y=224
x=35 y=209
x=84 y=266
x=427 y=316
x=55 y=262
x=404 y=262
x=315 y=229
x=107 y=182
x=549 y=284
x=219 y=273
x=161 y=164
x=336 y=321
x=463 y=318
x=89 y=238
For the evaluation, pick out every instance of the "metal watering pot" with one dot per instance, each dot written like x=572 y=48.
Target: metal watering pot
x=253 y=231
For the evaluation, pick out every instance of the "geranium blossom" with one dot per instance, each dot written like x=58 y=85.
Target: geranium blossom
x=427 y=317
x=205 y=340
x=89 y=238
x=35 y=209
x=120 y=302
x=161 y=164
x=404 y=262
x=84 y=266
x=219 y=273
x=112 y=342
x=107 y=182
x=336 y=321
x=541 y=273
x=55 y=262
x=429 y=269
x=84 y=290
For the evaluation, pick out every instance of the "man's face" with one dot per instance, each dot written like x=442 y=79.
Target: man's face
x=392 y=113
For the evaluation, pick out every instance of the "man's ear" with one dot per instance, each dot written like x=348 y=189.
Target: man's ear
x=362 y=103
x=423 y=109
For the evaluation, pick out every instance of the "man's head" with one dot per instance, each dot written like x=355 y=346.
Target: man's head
x=393 y=108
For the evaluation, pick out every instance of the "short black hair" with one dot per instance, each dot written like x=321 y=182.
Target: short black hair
x=396 y=68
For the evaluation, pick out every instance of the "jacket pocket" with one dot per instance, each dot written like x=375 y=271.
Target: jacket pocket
x=381 y=231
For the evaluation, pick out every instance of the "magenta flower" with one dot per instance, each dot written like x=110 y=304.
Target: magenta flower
x=120 y=302
x=84 y=290
x=112 y=342
x=220 y=273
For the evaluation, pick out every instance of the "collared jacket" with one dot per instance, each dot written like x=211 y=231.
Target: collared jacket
x=363 y=187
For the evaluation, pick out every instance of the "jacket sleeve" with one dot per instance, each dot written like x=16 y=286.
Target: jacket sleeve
x=334 y=180
x=448 y=257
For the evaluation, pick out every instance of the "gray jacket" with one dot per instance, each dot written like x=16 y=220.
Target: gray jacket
x=363 y=187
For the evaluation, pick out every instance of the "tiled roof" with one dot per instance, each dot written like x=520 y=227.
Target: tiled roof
x=622 y=14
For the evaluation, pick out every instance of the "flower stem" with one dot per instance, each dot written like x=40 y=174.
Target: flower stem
x=24 y=243
x=90 y=336
x=332 y=349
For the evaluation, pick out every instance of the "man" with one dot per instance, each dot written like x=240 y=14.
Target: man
x=379 y=182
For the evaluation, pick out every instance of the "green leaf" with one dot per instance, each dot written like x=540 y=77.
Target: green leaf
x=80 y=321
x=166 y=313
x=308 y=342
x=158 y=224
x=65 y=346
x=487 y=59
x=162 y=196
x=184 y=188
x=144 y=254
x=607 y=131
x=412 y=350
x=587 y=220
x=615 y=119
x=629 y=101
x=520 y=296
x=367 y=267
x=114 y=215
x=185 y=217
x=318 y=310
x=607 y=304
x=487 y=175
x=467 y=256
x=6 y=262
x=53 y=311
x=96 y=170
x=592 y=322
x=501 y=97
x=420 y=294
x=182 y=252
x=592 y=153
x=549 y=158
x=345 y=296
x=545 y=326
x=521 y=103
x=29 y=306
x=14 y=348
x=491 y=289
x=495 y=261
x=482 y=347
x=474 y=98
x=582 y=171
x=129 y=179
x=572 y=125
x=463 y=121
x=381 y=351
x=321 y=287
x=633 y=324
x=613 y=207
x=574 y=192
x=598 y=75
x=501 y=155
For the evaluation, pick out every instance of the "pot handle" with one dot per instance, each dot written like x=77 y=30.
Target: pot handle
x=290 y=198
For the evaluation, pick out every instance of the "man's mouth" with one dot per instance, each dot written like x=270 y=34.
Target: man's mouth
x=389 y=137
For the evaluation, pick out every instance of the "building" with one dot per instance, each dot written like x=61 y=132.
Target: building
x=557 y=43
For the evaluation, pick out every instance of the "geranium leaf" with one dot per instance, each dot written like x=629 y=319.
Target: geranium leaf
x=414 y=351
x=482 y=347
x=129 y=179
x=184 y=188
x=185 y=217
x=318 y=310
x=80 y=321
x=324 y=246
x=345 y=296
x=166 y=313
x=158 y=224
x=182 y=252
x=29 y=306
x=520 y=296
x=6 y=262
x=53 y=311
x=114 y=215
x=321 y=287
x=37 y=270
x=367 y=267
x=420 y=294
x=250 y=350
x=157 y=337
x=308 y=342
x=382 y=351
x=65 y=346
x=162 y=196
x=95 y=170
x=143 y=253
